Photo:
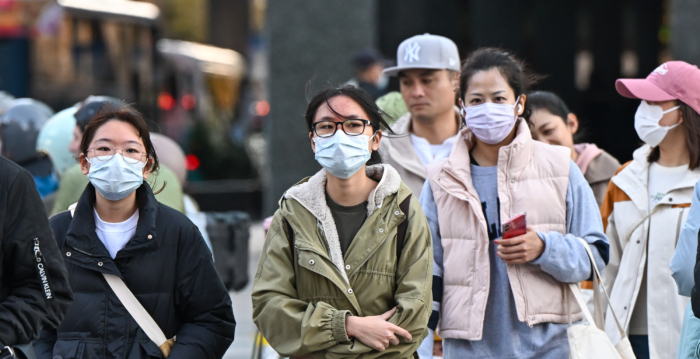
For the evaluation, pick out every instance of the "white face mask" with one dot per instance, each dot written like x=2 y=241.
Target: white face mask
x=490 y=122
x=115 y=178
x=646 y=122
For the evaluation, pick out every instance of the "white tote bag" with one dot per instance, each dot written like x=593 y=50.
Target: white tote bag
x=589 y=341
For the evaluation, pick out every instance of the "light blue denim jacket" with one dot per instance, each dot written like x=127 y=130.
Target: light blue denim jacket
x=683 y=262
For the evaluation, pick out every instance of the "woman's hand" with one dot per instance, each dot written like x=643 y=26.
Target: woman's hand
x=521 y=249
x=375 y=331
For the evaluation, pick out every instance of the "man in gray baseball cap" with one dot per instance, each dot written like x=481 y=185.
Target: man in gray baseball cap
x=428 y=70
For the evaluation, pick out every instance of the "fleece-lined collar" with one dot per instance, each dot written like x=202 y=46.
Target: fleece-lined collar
x=312 y=195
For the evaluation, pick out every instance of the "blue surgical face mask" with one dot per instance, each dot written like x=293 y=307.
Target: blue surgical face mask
x=115 y=178
x=342 y=155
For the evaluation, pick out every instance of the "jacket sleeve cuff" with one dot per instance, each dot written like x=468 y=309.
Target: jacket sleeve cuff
x=340 y=335
x=543 y=257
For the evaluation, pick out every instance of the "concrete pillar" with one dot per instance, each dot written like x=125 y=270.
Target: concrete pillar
x=685 y=27
x=311 y=44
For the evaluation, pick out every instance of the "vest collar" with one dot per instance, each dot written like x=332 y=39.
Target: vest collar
x=516 y=155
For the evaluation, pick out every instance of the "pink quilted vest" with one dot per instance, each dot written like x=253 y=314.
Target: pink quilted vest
x=532 y=177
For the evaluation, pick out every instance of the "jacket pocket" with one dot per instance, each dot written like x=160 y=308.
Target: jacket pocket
x=543 y=294
x=149 y=350
x=68 y=349
x=143 y=347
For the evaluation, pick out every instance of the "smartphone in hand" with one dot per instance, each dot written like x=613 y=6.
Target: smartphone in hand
x=516 y=226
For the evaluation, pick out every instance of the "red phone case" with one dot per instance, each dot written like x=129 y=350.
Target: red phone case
x=516 y=226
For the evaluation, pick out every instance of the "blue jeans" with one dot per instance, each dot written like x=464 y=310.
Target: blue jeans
x=640 y=346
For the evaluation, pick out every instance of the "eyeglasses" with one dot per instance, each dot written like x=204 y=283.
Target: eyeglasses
x=354 y=127
x=132 y=154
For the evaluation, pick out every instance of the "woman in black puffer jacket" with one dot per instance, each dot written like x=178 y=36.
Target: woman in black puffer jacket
x=119 y=228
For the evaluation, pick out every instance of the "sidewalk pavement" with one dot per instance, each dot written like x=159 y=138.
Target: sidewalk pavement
x=242 y=346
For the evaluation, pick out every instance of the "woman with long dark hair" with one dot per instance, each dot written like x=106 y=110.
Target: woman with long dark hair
x=124 y=250
x=347 y=263
x=646 y=206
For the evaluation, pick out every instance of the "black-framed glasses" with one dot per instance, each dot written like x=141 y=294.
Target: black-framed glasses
x=354 y=127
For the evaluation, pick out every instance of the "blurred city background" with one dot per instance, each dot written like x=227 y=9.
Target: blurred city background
x=228 y=80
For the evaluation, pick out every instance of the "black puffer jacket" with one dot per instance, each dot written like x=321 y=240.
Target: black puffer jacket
x=166 y=265
x=34 y=290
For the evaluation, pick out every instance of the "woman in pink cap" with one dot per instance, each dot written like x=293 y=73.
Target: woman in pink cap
x=646 y=206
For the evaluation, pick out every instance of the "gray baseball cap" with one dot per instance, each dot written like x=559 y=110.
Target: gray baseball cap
x=425 y=52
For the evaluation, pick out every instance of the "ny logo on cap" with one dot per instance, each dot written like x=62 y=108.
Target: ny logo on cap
x=412 y=52
x=662 y=70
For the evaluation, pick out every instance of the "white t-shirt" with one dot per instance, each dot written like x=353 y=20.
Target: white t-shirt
x=663 y=179
x=115 y=236
x=429 y=153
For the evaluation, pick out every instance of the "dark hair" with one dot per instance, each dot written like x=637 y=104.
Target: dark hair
x=124 y=113
x=362 y=98
x=515 y=72
x=691 y=125
x=545 y=100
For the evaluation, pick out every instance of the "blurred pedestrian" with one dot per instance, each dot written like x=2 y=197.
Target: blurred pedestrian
x=172 y=156
x=73 y=182
x=54 y=137
x=428 y=71
x=646 y=206
x=518 y=307
x=34 y=288
x=54 y=140
x=19 y=129
x=368 y=65
x=554 y=124
x=118 y=241
x=346 y=267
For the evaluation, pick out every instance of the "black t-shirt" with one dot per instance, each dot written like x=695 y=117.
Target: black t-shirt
x=348 y=221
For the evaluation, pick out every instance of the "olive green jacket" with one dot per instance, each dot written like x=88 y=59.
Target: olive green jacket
x=74 y=181
x=305 y=313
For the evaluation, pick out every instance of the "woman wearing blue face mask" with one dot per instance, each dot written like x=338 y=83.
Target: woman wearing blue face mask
x=347 y=264
x=124 y=250
x=496 y=297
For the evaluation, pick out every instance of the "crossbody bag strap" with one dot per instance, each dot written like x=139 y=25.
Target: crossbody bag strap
x=137 y=311
x=133 y=306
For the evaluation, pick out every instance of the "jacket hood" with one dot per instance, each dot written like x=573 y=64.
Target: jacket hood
x=587 y=152
x=640 y=168
x=311 y=194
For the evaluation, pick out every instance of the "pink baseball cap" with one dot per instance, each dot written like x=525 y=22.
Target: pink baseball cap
x=673 y=80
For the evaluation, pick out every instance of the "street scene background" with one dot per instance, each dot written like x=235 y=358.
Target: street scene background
x=229 y=80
